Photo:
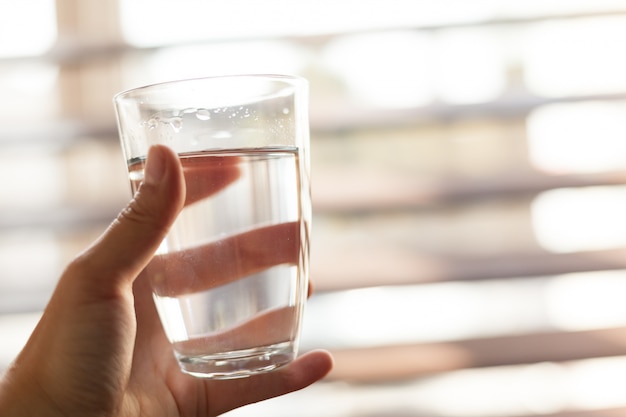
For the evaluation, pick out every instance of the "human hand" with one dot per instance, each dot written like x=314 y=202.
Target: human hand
x=99 y=349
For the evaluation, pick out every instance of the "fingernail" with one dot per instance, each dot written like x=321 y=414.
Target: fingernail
x=155 y=166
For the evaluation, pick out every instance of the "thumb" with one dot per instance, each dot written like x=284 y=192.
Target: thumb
x=129 y=243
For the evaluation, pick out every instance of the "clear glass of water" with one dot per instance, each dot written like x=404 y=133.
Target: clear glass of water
x=230 y=280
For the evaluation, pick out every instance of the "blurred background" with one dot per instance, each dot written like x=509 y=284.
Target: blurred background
x=469 y=184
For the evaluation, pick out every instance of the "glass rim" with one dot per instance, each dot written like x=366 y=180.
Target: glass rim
x=135 y=91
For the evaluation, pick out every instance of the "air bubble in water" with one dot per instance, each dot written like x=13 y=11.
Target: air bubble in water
x=285 y=110
x=203 y=114
x=176 y=123
x=152 y=123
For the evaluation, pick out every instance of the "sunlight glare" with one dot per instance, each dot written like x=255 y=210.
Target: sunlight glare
x=470 y=67
x=23 y=31
x=580 y=219
x=378 y=68
x=578 y=137
x=586 y=301
x=576 y=57
x=251 y=57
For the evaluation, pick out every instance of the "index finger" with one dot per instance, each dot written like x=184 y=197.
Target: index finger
x=205 y=177
x=217 y=263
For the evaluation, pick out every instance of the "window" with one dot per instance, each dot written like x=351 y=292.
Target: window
x=468 y=183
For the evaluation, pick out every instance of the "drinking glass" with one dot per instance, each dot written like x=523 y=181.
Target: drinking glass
x=230 y=280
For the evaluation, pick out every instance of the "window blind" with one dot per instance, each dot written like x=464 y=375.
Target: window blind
x=468 y=163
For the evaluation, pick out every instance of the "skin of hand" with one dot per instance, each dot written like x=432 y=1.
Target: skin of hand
x=99 y=348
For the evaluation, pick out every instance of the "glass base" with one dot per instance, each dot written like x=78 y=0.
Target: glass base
x=238 y=364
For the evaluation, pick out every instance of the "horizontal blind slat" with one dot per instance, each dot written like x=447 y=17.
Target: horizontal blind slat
x=409 y=361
